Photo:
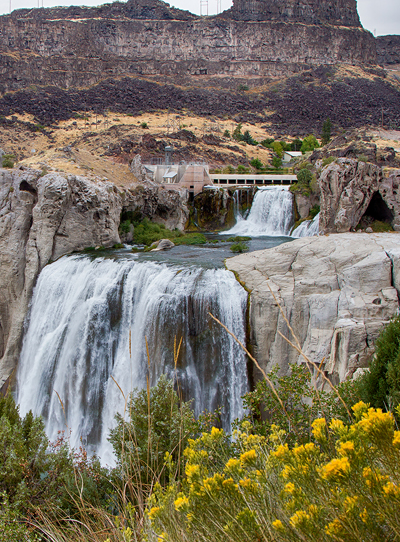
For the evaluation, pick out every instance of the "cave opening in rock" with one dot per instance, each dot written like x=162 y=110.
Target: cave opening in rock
x=377 y=210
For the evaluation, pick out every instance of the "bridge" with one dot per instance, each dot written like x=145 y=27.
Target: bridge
x=236 y=180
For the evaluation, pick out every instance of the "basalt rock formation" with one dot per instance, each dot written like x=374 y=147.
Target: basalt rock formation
x=336 y=291
x=45 y=217
x=350 y=189
x=388 y=50
x=78 y=47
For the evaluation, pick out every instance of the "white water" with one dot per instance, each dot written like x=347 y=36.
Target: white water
x=307 y=228
x=77 y=338
x=271 y=214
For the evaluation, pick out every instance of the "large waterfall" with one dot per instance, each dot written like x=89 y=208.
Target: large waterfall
x=271 y=214
x=83 y=313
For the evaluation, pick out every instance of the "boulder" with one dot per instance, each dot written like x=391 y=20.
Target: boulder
x=162 y=244
x=336 y=292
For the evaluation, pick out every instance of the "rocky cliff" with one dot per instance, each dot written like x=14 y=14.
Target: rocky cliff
x=336 y=291
x=79 y=47
x=350 y=189
x=388 y=50
x=44 y=217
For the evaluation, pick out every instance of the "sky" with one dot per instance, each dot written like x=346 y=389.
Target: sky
x=381 y=17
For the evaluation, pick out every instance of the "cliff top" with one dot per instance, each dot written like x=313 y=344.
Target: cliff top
x=335 y=12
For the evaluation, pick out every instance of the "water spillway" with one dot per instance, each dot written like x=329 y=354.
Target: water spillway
x=308 y=228
x=82 y=315
x=271 y=214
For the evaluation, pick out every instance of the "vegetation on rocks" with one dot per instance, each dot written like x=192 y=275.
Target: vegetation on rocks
x=146 y=233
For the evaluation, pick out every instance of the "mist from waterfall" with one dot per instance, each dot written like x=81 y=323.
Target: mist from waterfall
x=76 y=340
x=271 y=214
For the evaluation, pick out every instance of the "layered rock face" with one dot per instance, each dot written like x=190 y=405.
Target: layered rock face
x=337 y=12
x=350 y=189
x=45 y=217
x=388 y=50
x=336 y=291
x=78 y=47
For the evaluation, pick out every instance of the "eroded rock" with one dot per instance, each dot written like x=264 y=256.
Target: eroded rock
x=336 y=291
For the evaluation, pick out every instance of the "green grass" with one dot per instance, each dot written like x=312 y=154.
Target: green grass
x=146 y=233
x=238 y=239
x=239 y=247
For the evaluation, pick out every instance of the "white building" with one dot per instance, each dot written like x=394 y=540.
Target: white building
x=288 y=156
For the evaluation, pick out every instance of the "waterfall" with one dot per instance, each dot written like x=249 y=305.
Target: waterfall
x=271 y=214
x=307 y=228
x=77 y=338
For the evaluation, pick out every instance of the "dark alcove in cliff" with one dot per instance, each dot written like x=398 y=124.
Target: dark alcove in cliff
x=377 y=210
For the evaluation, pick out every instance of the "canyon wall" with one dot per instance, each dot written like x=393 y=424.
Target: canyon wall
x=388 y=50
x=78 y=47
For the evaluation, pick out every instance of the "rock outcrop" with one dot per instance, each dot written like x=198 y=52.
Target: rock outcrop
x=79 y=47
x=351 y=189
x=336 y=291
x=388 y=50
x=45 y=217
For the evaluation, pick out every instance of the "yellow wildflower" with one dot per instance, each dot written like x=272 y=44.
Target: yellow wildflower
x=396 y=439
x=377 y=423
x=287 y=471
x=319 y=429
x=281 y=451
x=181 y=502
x=278 y=525
x=364 y=515
x=335 y=468
x=359 y=409
x=350 y=503
x=248 y=484
x=334 y=528
x=346 y=448
x=391 y=490
x=313 y=509
x=337 y=426
x=372 y=477
x=153 y=512
x=232 y=464
x=229 y=484
x=299 y=519
x=192 y=472
x=290 y=488
x=248 y=457
x=216 y=433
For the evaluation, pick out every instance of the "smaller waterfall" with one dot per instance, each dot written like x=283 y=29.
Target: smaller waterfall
x=308 y=228
x=271 y=214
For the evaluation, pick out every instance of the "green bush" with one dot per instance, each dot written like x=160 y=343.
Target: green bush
x=144 y=125
x=227 y=134
x=328 y=160
x=309 y=144
x=380 y=386
x=267 y=143
x=242 y=170
x=8 y=160
x=159 y=423
x=256 y=163
x=238 y=239
x=314 y=211
x=239 y=247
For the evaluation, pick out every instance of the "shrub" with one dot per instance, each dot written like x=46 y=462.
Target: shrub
x=277 y=146
x=243 y=170
x=8 y=160
x=267 y=143
x=237 y=133
x=144 y=125
x=228 y=170
x=380 y=386
x=328 y=160
x=343 y=485
x=314 y=211
x=256 y=163
x=326 y=131
x=227 y=134
x=158 y=424
x=304 y=177
x=239 y=247
x=247 y=138
x=309 y=144
x=276 y=162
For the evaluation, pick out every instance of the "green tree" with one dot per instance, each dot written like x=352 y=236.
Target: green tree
x=237 y=133
x=243 y=170
x=326 y=131
x=277 y=146
x=227 y=134
x=309 y=144
x=296 y=144
x=267 y=143
x=380 y=386
x=256 y=163
x=276 y=161
x=304 y=177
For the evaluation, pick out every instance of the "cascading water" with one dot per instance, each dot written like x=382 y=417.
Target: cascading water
x=77 y=338
x=308 y=228
x=271 y=214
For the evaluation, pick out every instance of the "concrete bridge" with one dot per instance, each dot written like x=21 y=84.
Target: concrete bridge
x=236 y=180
